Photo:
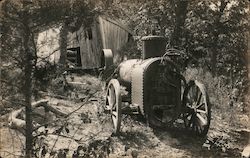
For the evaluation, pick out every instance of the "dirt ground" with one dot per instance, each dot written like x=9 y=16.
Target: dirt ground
x=88 y=132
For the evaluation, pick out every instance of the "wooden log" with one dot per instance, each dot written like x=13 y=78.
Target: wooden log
x=45 y=94
x=38 y=103
x=246 y=152
x=55 y=111
x=15 y=122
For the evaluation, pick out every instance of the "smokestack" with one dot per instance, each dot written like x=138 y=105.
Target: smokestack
x=153 y=46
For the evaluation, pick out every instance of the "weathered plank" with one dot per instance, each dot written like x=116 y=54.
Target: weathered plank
x=104 y=34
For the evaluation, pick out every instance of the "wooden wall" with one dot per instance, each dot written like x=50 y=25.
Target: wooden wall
x=104 y=34
x=90 y=47
x=114 y=36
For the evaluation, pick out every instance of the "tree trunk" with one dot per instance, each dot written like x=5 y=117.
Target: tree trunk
x=180 y=17
x=214 y=54
x=218 y=26
x=246 y=151
x=27 y=89
x=63 y=45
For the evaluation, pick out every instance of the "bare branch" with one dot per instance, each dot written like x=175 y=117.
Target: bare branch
x=44 y=58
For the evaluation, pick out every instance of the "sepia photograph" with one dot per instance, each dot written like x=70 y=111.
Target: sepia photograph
x=124 y=79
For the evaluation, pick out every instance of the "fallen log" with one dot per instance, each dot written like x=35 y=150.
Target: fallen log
x=44 y=103
x=78 y=85
x=17 y=123
x=246 y=151
x=45 y=94
x=38 y=103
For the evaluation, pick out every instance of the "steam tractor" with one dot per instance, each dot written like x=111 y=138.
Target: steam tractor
x=154 y=88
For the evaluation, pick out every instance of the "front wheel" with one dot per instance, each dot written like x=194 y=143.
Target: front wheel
x=197 y=109
x=113 y=103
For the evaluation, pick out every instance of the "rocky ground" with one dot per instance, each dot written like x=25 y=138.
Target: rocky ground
x=87 y=131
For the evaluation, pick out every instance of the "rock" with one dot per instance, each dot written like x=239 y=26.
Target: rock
x=246 y=152
x=207 y=146
x=134 y=153
x=224 y=149
x=85 y=118
x=244 y=119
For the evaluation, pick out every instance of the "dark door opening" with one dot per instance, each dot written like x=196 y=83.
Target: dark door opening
x=74 y=57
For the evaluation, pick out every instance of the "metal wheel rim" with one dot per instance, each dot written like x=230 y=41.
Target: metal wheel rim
x=197 y=115
x=114 y=102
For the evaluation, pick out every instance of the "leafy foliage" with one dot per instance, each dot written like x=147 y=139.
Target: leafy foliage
x=213 y=34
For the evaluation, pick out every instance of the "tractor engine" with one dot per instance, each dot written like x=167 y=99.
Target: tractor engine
x=153 y=46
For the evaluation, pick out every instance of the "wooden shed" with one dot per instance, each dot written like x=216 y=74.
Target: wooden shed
x=87 y=44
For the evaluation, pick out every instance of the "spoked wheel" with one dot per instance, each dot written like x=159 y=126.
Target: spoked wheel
x=113 y=103
x=197 y=113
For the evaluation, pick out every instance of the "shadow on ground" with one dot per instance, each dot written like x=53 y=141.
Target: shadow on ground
x=196 y=146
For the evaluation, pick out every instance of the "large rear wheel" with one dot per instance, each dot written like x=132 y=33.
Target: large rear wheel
x=197 y=109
